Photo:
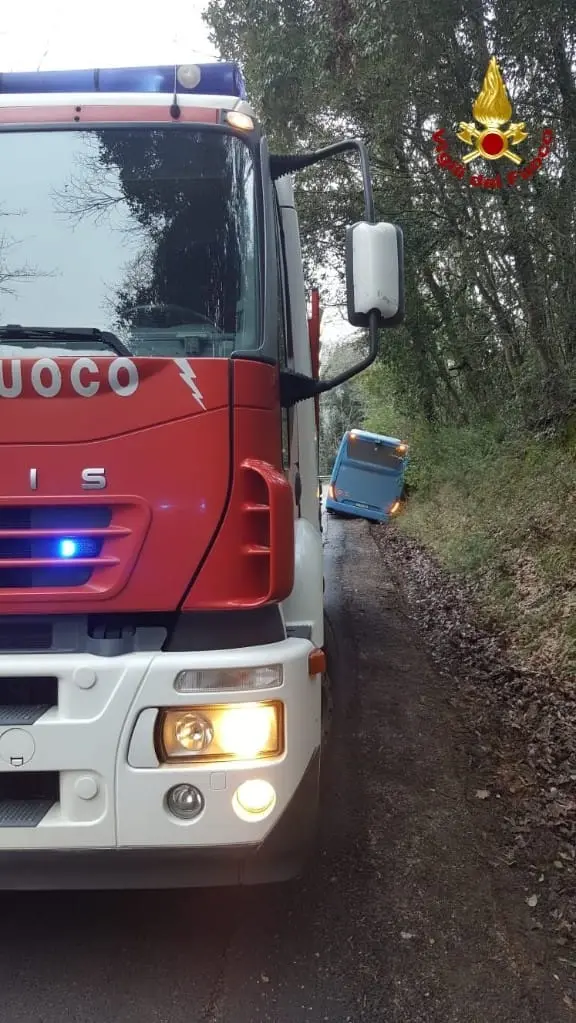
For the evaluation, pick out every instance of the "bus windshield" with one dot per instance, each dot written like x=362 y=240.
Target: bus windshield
x=376 y=453
x=145 y=233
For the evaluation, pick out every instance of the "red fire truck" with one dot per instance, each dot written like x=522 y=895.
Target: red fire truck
x=161 y=582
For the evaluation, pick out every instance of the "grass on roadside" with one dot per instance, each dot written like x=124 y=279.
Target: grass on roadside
x=502 y=513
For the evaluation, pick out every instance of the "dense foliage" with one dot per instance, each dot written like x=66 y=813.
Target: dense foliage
x=481 y=379
x=491 y=274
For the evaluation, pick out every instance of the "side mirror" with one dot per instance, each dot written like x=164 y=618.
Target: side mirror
x=374 y=274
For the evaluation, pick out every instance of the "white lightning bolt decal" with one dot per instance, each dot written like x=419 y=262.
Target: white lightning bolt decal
x=189 y=377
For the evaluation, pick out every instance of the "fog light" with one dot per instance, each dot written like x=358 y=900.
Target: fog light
x=185 y=802
x=254 y=799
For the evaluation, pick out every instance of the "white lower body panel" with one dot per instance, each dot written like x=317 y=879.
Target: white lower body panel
x=89 y=740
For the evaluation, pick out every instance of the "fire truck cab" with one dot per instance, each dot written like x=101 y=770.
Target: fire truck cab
x=161 y=582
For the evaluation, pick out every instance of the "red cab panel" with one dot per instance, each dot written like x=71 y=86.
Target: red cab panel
x=133 y=485
x=157 y=431
x=252 y=559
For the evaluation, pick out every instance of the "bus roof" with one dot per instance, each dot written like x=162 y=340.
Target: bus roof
x=365 y=435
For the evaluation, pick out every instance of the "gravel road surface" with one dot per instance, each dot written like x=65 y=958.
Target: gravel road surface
x=403 y=917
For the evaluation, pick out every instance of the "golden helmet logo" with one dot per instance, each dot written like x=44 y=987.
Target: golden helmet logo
x=492 y=110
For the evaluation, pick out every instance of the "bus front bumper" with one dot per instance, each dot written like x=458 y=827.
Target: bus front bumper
x=357 y=511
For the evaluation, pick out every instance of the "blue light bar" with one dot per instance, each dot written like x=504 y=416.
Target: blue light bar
x=219 y=79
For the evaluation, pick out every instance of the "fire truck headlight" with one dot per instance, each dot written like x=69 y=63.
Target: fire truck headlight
x=241 y=731
x=193 y=732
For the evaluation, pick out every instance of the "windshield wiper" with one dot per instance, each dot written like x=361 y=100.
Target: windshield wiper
x=16 y=332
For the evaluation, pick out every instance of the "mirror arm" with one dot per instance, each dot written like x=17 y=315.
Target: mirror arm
x=282 y=165
x=295 y=387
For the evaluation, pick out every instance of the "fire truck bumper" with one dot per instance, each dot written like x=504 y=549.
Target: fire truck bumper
x=282 y=855
x=109 y=824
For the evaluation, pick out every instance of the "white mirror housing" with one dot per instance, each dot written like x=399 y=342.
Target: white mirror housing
x=375 y=274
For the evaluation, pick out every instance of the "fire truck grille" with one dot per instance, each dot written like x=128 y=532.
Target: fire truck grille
x=54 y=546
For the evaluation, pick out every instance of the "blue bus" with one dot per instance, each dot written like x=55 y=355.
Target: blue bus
x=368 y=476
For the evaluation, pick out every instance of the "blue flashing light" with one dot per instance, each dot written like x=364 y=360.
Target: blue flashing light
x=78 y=547
x=67 y=548
x=218 y=79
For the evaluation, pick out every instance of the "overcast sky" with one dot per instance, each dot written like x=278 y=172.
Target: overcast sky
x=53 y=34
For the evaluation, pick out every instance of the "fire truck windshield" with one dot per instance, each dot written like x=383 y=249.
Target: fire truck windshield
x=146 y=233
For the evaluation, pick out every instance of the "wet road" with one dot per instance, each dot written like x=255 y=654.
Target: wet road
x=400 y=918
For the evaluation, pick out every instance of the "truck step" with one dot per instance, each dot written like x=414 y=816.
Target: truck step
x=27 y=796
x=23 y=813
x=25 y=698
x=22 y=715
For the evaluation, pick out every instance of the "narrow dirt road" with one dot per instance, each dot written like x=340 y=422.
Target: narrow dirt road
x=403 y=918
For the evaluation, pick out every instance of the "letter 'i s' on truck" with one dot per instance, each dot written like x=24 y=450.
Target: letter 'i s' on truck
x=161 y=582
